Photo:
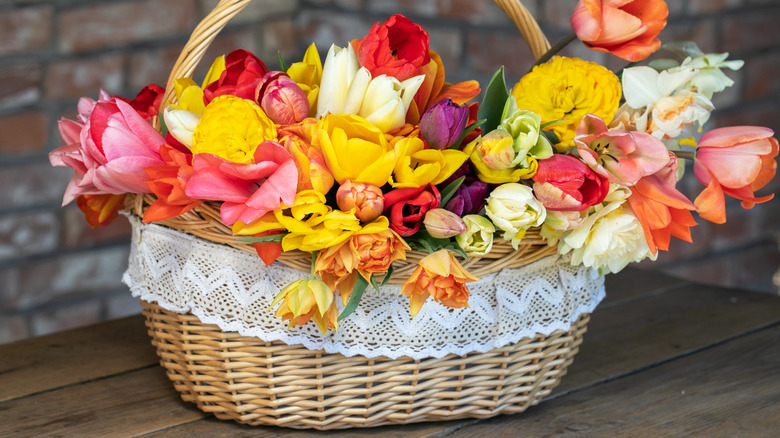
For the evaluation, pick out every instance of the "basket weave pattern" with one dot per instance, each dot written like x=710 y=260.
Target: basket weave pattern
x=271 y=383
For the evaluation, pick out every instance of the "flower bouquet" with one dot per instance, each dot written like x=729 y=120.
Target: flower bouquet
x=421 y=256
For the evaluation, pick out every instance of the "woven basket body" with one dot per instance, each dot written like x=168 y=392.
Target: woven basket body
x=257 y=382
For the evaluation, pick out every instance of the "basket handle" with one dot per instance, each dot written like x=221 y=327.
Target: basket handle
x=220 y=16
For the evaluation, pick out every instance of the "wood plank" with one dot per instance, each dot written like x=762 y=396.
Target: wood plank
x=128 y=404
x=65 y=358
x=632 y=283
x=732 y=389
x=642 y=332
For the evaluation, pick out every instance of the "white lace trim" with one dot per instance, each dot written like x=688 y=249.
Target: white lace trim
x=232 y=289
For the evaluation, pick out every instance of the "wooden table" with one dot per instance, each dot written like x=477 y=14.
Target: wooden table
x=662 y=357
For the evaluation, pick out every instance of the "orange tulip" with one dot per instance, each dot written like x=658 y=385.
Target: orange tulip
x=734 y=161
x=661 y=209
x=100 y=210
x=168 y=183
x=363 y=254
x=440 y=276
x=624 y=28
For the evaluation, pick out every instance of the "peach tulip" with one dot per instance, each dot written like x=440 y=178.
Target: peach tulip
x=735 y=161
x=624 y=28
x=440 y=276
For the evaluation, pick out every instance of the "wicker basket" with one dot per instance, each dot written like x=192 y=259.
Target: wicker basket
x=271 y=383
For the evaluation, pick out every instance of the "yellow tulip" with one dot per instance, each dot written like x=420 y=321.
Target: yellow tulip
x=526 y=170
x=308 y=75
x=307 y=299
x=215 y=71
x=417 y=166
x=356 y=150
x=189 y=96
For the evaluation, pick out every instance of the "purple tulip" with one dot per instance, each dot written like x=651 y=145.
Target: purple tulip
x=443 y=124
x=468 y=199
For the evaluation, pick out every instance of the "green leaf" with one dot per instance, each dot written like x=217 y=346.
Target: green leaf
x=466 y=132
x=282 y=67
x=551 y=137
x=448 y=192
x=272 y=238
x=388 y=274
x=373 y=282
x=492 y=105
x=354 y=297
x=163 y=127
x=422 y=241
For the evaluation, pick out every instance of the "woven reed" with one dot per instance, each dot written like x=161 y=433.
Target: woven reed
x=271 y=383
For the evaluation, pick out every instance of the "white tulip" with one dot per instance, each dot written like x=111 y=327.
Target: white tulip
x=341 y=66
x=181 y=124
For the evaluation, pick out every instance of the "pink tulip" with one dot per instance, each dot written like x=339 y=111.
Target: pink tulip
x=108 y=149
x=282 y=99
x=443 y=224
x=735 y=161
x=624 y=28
x=248 y=191
x=621 y=156
x=564 y=183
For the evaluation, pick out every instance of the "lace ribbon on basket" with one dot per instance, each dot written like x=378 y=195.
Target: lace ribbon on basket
x=232 y=289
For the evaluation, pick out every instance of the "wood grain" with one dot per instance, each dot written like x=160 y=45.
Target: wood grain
x=730 y=390
x=73 y=356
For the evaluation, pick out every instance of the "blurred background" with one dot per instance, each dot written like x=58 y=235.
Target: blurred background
x=57 y=273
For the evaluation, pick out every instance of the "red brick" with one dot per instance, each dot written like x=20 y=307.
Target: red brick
x=713 y=6
x=70 y=277
x=557 y=14
x=26 y=29
x=13 y=328
x=26 y=132
x=152 y=66
x=121 y=305
x=505 y=49
x=64 y=318
x=703 y=32
x=260 y=10
x=760 y=114
x=750 y=32
x=20 y=84
x=32 y=184
x=761 y=76
x=27 y=233
x=278 y=37
x=120 y=23
x=76 y=232
x=325 y=28
x=9 y=293
x=448 y=43
x=424 y=8
x=473 y=11
x=85 y=77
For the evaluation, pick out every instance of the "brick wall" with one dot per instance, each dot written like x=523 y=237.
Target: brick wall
x=56 y=273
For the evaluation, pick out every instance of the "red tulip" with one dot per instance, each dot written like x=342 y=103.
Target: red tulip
x=564 y=183
x=398 y=47
x=407 y=207
x=735 y=161
x=243 y=73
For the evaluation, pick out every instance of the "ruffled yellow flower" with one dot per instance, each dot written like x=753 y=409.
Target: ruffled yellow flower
x=232 y=128
x=566 y=89
x=308 y=74
x=355 y=149
x=417 y=166
x=311 y=224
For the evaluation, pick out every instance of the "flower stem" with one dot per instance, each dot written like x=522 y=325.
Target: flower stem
x=686 y=155
x=556 y=48
x=313 y=259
